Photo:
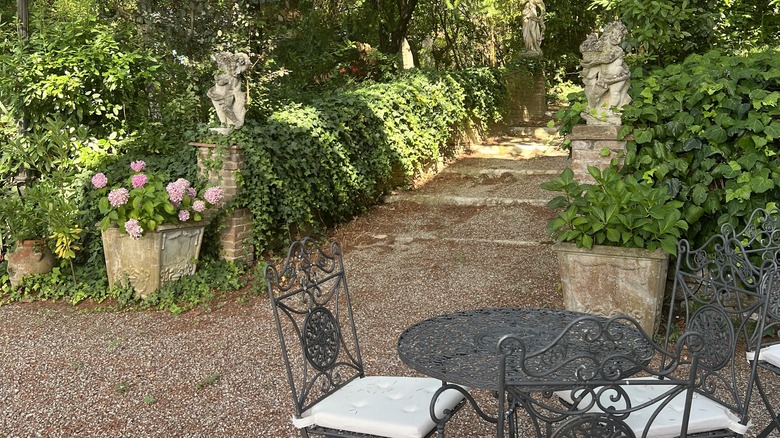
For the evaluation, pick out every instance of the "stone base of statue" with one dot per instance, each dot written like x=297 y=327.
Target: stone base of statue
x=601 y=117
x=594 y=145
x=222 y=131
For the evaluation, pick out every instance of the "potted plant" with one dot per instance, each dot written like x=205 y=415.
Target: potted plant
x=24 y=220
x=615 y=238
x=152 y=230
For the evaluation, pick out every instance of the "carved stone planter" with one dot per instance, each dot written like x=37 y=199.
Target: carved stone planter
x=610 y=280
x=156 y=258
x=29 y=257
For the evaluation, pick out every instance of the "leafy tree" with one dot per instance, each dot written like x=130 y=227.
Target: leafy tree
x=662 y=32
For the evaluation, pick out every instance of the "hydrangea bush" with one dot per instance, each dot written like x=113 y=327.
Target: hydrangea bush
x=145 y=202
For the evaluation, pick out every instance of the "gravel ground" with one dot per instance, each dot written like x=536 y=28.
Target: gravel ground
x=72 y=371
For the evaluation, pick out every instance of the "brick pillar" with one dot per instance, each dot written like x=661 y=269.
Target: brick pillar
x=587 y=142
x=235 y=238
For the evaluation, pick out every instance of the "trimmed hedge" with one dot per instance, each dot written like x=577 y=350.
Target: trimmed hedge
x=315 y=164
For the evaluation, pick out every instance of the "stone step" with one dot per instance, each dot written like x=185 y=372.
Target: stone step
x=539 y=132
x=408 y=238
x=463 y=200
x=499 y=172
x=404 y=219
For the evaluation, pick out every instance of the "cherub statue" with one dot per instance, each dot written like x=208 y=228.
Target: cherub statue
x=605 y=74
x=226 y=94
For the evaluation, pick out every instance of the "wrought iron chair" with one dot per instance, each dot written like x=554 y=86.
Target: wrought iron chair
x=579 y=385
x=319 y=345
x=760 y=240
x=695 y=383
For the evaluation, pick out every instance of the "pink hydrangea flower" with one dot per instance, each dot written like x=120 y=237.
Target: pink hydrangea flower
x=175 y=193
x=137 y=166
x=213 y=195
x=191 y=192
x=99 y=180
x=133 y=228
x=199 y=206
x=118 y=197
x=139 y=180
x=184 y=215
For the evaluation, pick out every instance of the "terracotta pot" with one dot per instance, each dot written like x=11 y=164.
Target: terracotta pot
x=30 y=257
x=154 y=259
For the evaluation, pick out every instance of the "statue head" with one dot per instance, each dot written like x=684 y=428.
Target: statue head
x=615 y=32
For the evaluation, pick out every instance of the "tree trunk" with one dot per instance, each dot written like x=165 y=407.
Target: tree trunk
x=393 y=23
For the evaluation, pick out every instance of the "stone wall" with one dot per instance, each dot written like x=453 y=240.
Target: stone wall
x=235 y=239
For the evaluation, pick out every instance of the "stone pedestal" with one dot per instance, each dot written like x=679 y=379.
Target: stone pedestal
x=235 y=239
x=587 y=144
x=608 y=280
x=527 y=97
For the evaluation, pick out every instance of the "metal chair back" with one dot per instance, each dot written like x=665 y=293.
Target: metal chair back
x=314 y=320
x=720 y=291
x=596 y=357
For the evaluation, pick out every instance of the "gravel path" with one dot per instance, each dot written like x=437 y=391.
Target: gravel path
x=74 y=372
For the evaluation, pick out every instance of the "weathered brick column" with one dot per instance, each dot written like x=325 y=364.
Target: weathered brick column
x=587 y=142
x=235 y=238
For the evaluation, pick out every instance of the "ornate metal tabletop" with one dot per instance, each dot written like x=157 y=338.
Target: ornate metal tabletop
x=462 y=348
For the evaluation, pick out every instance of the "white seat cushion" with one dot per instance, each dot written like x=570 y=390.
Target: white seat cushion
x=769 y=354
x=706 y=414
x=393 y=407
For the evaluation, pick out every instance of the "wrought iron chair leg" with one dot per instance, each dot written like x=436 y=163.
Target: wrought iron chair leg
x=775 y=423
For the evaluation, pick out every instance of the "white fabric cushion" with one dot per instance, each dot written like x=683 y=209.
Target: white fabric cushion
x=388 y=406
x=769 y=354
x=706 y=414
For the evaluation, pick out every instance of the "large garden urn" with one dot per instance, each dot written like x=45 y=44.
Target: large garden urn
x=29 y=257
x=157 y=257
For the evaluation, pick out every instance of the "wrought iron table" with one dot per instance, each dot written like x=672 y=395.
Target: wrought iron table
x=461 y=347
x=462 y=350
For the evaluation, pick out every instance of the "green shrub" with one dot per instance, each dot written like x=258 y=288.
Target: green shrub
x=707 y=129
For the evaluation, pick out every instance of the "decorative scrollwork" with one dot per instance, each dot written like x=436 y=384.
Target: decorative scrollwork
x=321 y=338
x=602 y=426
x=716 y=343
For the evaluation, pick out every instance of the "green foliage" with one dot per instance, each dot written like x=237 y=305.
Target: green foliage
x=323 y=162
x=664 y=31
x=23 y=217
x=212 y=279
x=616 y=211
x=707 y=129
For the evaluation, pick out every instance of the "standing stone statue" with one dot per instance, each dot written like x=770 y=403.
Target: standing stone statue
x=605 y=75
x=226 y=94
x=533 y=28
x=407 y=59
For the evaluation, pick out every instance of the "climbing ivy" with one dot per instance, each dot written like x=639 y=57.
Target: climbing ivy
x=708 y=129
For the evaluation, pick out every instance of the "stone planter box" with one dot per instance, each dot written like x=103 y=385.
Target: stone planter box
x=156 y=258
x=610 y=280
